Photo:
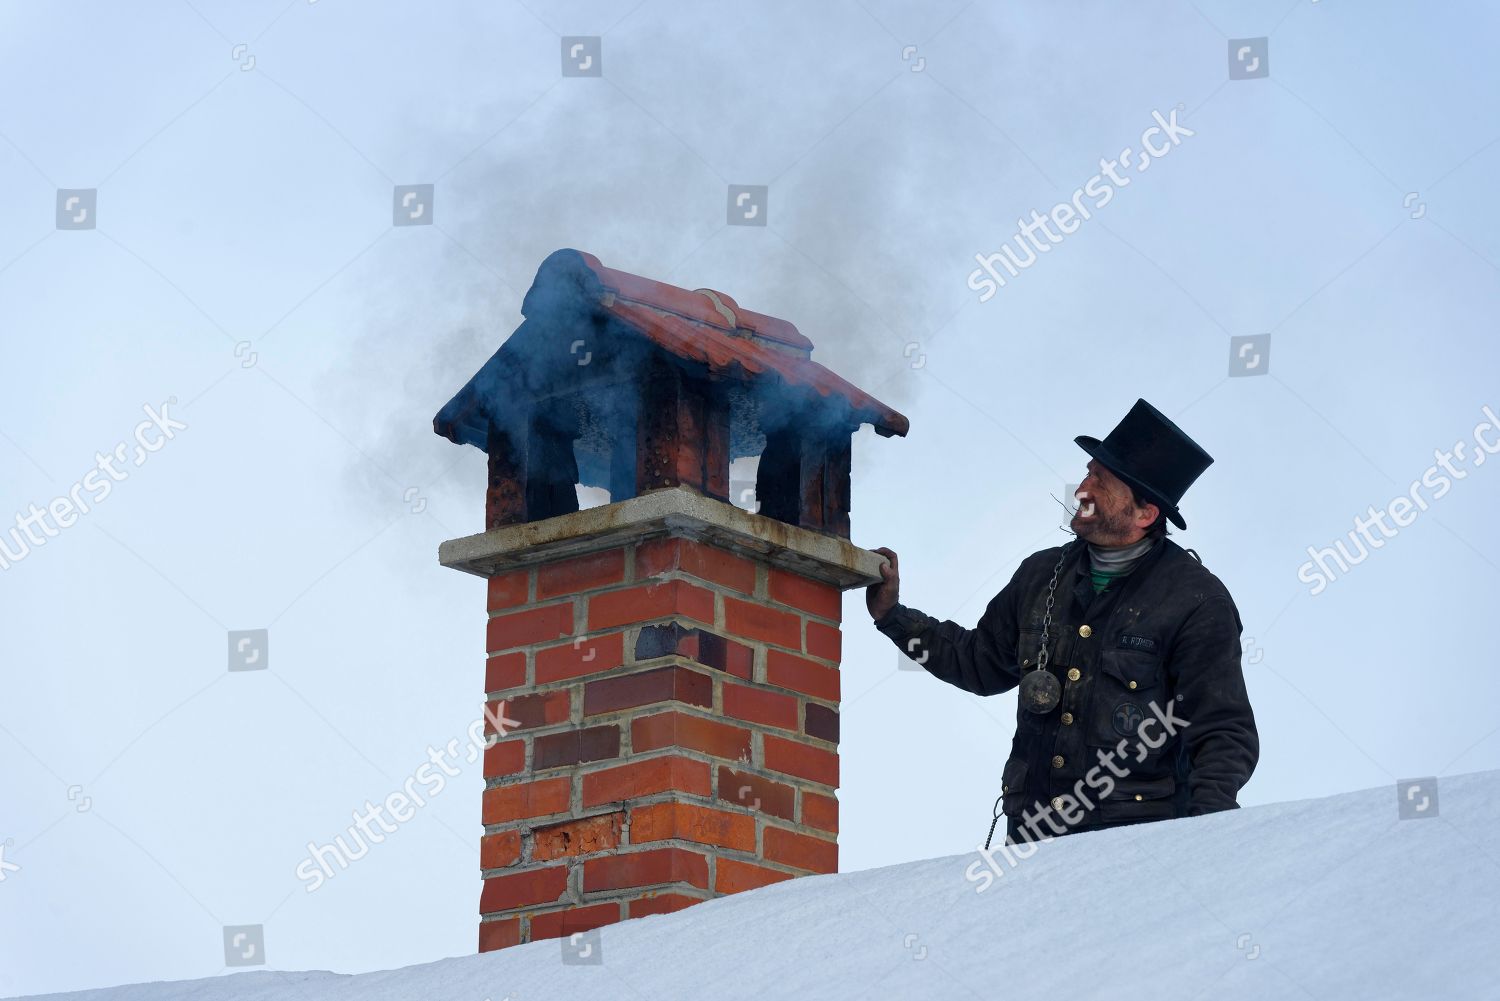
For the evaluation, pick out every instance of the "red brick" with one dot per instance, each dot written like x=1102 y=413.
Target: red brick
x=499 y=850
x=659 y=556
x=523 y=889
x=734 y=876
x=559 y=924
x=577 y=837
x=648 y=602
x=806 y=595
x=645 y=868
x=662 y=684
x=581 y=573
x=531 y=625
x=505 y=758
x=801 y=760
x=787 y=670
x=591 y=655
x=531 y=711
x=823 y=641
x=507 y=590
x=669 y=773
x=507 y=670
x=820 y=722
x=690 y=822
x=523 y=800
x=594 y=743
x=801 y=851
x=760 y=706
x=675 y=729
x=500 y=934
x=820 y=811
x=758 y=622
x=757 y=793
x=661 y=903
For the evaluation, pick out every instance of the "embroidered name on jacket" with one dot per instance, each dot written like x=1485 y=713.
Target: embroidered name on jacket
x=1138 y=643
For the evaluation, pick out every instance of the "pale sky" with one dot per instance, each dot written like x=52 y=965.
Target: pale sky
x=244 y=270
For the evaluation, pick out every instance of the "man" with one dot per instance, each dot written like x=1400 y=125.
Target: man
x=1135 y=708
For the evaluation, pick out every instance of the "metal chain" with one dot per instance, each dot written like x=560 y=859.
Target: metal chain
x=1041 y=665
x=1041 y=657
x=993 y=824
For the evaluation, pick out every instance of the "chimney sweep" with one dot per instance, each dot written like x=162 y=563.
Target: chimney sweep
x=1126 y=650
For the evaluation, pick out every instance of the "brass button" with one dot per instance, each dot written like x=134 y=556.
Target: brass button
x=1057 y=761
x=1139 y=797
x=1005 y=788
x=1067 y=719
x=1085 y=632
x=1074 y=674
x=1130 y=685
x=1057 y=802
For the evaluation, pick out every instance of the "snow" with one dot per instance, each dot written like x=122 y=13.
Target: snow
x=1330 y=899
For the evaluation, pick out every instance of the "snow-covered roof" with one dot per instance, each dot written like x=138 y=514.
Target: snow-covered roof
x=1327 y=899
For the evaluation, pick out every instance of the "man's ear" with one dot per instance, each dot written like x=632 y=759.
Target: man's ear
x=1152 y=512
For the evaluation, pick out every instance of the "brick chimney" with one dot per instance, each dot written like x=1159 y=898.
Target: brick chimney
x=670 y=660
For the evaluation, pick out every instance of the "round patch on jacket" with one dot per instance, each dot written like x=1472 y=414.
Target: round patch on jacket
x=1128 y=718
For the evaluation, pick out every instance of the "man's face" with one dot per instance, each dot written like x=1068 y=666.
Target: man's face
x=1107 y=515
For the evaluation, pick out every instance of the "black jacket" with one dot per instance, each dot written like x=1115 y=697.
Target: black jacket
x=1153 y=659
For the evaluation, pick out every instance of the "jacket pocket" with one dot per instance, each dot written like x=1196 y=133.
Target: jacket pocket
x=1013 y=787
x=1139 y=800
x=1131 y=670
x=1029 y=645
x=1129 y=682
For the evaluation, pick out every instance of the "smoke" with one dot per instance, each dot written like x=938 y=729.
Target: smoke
x=586 y=167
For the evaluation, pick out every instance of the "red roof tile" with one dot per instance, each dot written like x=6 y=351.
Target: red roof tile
x=707 y=326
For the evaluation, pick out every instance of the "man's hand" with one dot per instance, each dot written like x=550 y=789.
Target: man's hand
x=881 y=598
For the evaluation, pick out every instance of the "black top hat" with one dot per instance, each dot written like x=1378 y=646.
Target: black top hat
x=1153 y=455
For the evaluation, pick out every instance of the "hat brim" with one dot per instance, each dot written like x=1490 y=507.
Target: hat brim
x=1095 y=448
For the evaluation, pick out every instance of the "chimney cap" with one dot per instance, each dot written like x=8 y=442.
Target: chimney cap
x=703 y=326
